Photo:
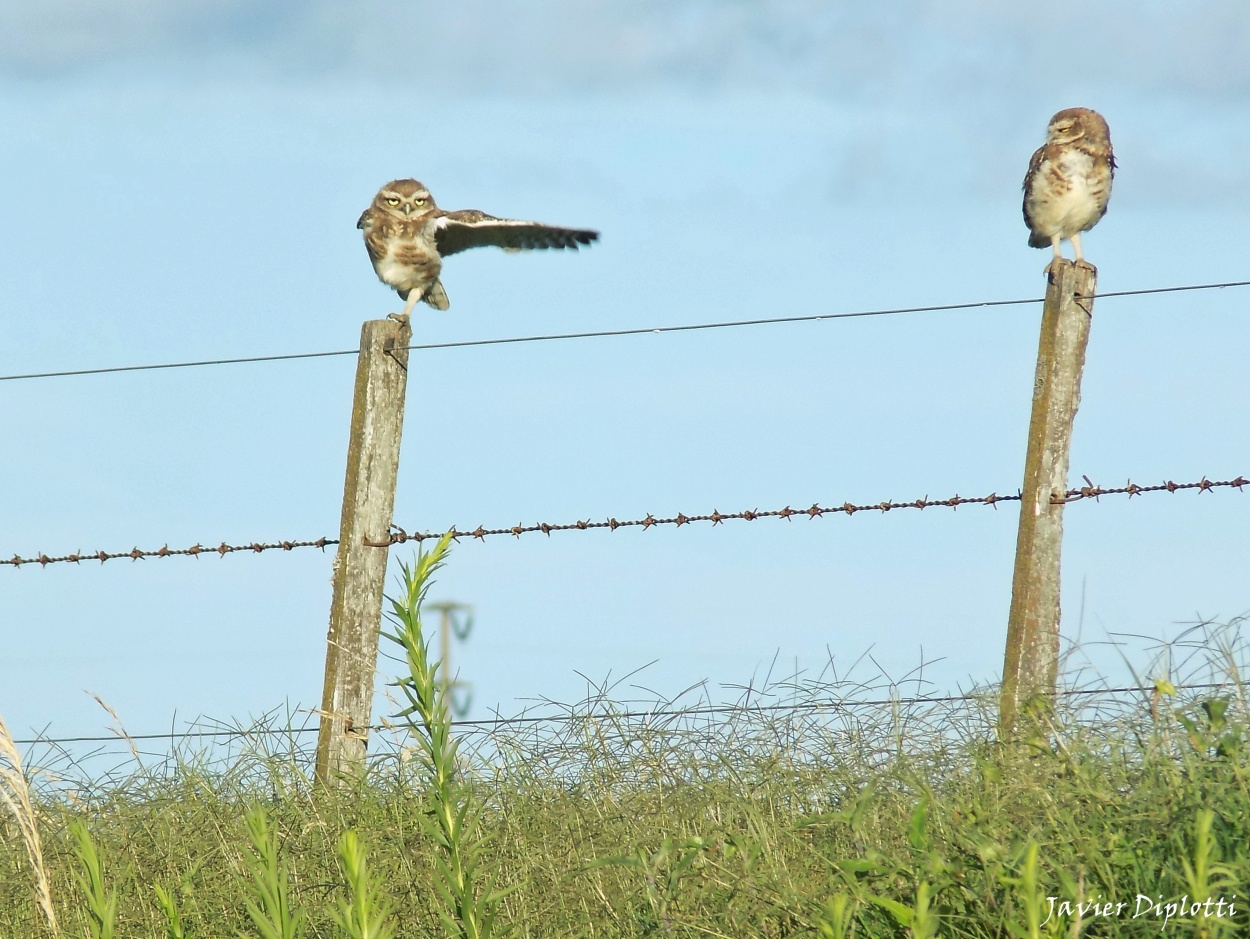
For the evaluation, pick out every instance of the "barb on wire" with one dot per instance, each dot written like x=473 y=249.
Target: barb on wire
x=606 y=333
x=706 y=710
x=137 y=554
x=1088 y=491
x=400 y=536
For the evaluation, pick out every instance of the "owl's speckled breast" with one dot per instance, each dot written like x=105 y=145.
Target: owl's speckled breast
x=406 y=258
x=1069 y=196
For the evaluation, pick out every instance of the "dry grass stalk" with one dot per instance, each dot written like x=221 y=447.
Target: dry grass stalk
x=15 y=794
x=118 y=728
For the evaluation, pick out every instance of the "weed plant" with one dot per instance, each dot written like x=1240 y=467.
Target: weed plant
x=816 y=818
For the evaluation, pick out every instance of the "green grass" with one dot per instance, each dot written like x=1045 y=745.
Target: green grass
x=874 y=822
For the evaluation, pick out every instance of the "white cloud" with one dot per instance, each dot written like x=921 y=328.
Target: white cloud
x=52 y=36
x=970 y=78
x=1149 y=45
x=924 y=47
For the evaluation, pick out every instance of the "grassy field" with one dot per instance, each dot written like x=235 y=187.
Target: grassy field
x=903 y=820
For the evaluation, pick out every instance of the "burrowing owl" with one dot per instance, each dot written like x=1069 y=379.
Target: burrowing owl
x=1069 y=180
x=408 y=236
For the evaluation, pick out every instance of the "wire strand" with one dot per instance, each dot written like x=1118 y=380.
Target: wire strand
x=607 y=333
x=481 y=533
x=700 y=711
x=166 y=365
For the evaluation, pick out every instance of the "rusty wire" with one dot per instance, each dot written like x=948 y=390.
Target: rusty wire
x=400 y=536
x=136 y=554
x=1089 y=491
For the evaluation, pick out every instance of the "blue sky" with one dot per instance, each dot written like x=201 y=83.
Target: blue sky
x=181 y=181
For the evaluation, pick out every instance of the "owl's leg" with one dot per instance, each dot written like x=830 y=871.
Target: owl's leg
x=1080 y=258
x=414 y=297
x=1076 y=246
x=1058 y=258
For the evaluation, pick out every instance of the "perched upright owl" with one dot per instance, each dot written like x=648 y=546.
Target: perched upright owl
x=1069 y=181
x=408 y=236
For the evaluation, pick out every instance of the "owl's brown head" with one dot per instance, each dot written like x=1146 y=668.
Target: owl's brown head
x=404 y=198
x=1073 y=124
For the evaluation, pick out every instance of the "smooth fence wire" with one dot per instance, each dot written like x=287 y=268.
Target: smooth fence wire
x=400 y=536
x=644 y=714
x=610 y=333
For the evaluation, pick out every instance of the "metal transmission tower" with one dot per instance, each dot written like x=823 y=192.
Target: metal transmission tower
x=451 y=624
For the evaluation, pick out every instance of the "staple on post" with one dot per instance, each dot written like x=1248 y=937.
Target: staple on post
x=364 y=535
x=1031 y=661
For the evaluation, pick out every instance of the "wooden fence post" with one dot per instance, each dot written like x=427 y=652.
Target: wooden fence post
x=360 y=565
x=1031 y=663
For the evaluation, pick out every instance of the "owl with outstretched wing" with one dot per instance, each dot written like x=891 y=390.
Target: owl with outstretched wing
x=407 y=237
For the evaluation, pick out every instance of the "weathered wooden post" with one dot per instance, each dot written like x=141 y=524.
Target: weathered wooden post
x=364 y=537
x=448 y=627
x=1031 y=663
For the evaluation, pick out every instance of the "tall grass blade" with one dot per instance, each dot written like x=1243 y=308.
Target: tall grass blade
x=101 y=902
x=366 y=915
x=270 y=908
x=15 y=794
x=470 y=908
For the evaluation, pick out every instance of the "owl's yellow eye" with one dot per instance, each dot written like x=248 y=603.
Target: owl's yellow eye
x=392 y=201
x=419 y=201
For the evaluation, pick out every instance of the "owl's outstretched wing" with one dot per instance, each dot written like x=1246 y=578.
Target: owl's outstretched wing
x=469 y=228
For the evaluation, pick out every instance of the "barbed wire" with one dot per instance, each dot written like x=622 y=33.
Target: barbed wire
x=136 y=554
x=1089 y=491
x=400 y=536
x=706 y=710
x=607 y=333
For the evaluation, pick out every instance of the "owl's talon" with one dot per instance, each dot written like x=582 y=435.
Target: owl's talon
x=400 y=318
